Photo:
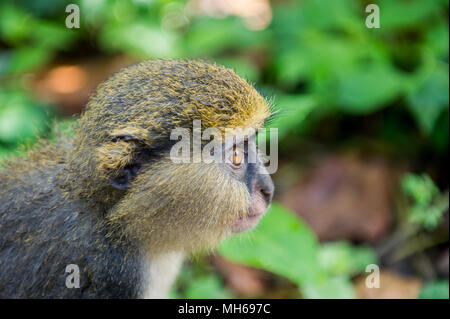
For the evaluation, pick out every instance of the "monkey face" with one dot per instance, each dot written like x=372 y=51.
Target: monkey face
x=256 y=178
x=187 y=206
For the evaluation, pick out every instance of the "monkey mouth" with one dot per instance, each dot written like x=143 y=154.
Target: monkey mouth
x=257 y=209
x=246 y=223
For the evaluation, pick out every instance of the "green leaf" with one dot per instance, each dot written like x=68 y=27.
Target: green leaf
x=428 y=204
x=28 y=58
x=402 y=14
x=292 y=65
x=430 y=99
x=329 y=14
x=429 y=217
x=207 y=36
x=53 y=36
x=95 y=12
x=206 y=287
x=339 y=287
x=20 y=118
x=292 y=111
x=319 y=58
x=366 y=89
x=437 y=40
x=293 y=16
x=420 y=187
x=16 y=25
x=140 y=38
x=341 y=258
x=435 y=290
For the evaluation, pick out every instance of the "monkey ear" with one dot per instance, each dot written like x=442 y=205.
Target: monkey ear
x=118 y=159
x=123 y=180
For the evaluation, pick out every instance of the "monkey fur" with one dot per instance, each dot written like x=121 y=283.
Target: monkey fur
x=111 y=201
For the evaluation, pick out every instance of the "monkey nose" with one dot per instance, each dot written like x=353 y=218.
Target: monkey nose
x=266 y=187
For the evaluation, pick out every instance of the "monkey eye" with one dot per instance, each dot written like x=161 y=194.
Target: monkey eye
x=237 y=156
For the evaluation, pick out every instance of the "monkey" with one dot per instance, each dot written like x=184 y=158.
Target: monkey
x=109 y=199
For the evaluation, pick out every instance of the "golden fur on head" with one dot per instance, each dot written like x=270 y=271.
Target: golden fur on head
x=160 y=95
x=148 y=100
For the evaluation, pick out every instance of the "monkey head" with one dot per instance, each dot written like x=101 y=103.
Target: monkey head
x=121 y=155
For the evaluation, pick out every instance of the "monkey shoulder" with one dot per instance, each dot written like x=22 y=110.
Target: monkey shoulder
x=42 y=232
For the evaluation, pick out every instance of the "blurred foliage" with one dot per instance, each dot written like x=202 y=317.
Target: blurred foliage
x=316 y=56
x=435 y=290
x=428 y=204
x=285 y=245
x=22 y=120
x=209 y=286
x=20 y=117
x=358 y=70
x=197 y=281
x=316 y=60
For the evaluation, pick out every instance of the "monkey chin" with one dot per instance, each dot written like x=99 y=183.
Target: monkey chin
x=257 y=209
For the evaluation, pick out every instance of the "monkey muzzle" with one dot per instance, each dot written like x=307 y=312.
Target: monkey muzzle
x=261 y=198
